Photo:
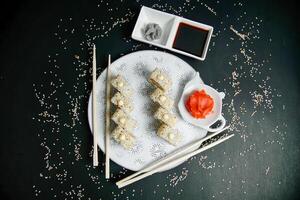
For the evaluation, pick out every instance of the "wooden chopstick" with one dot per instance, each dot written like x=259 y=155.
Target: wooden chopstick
x=94 y=104
x=107 y=119
x=174 y=161
x=172 y=156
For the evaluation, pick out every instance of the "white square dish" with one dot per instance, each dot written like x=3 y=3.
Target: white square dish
x=147 y=15
x=169 y=24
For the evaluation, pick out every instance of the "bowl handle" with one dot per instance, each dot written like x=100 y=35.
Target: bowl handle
x=222 y=95
x=223 y=123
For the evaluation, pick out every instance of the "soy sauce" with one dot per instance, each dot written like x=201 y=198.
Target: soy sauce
x=190 y=39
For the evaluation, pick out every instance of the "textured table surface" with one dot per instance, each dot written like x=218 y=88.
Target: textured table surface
x=45 y=80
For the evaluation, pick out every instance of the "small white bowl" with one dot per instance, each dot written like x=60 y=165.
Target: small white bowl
x=216 y=114
x=169 y=24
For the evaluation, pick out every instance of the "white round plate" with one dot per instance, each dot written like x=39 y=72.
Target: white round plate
x=136 y=67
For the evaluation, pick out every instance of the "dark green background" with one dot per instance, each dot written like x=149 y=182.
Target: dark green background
x=26 y=40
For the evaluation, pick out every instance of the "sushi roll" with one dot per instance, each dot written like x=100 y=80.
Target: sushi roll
x=120 y=84
x=162 y=99
x=122 y=102
x=169 y=134
x=160 y=80
x=123 y=137
x=165 y=116
x=123 y=120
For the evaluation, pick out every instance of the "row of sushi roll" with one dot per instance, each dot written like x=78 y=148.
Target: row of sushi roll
x=122 y=134
x=162 y=82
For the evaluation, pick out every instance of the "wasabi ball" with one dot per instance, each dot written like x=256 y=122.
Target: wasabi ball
x=152 y=31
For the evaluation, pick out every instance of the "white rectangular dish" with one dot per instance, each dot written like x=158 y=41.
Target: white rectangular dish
x=169 y=24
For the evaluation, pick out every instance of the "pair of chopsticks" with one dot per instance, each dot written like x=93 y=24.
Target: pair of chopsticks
x=172 y=159
x=107 y=113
